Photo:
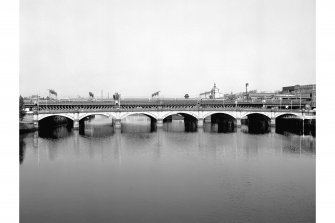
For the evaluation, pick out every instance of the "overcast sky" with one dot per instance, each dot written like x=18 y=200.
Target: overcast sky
x=137 y=47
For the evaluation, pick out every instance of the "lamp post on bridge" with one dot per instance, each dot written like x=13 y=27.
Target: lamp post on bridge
x=303 y=122
x=246 y=91
x=38 y=102
x=300 y=98
x=35 y=112
x=48 y=97
x=47 y=100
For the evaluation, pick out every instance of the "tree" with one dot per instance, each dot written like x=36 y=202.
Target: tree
x=186 y=96
x=21 y=108
x=116 y=96
x=232 y=97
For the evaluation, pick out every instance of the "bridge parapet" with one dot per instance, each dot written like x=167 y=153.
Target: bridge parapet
x=111 y=109
x=161 y=104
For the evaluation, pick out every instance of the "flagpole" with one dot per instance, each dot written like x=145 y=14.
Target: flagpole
x=38 y=102
x=48 y=99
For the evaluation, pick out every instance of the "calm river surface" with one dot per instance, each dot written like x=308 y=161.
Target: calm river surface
x=102 y=175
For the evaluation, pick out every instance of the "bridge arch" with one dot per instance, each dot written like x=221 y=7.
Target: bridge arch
x=289 y=122
x=81 y=116
x=43 y=116
x=231 y=114
x=179 y=113
x=243 y=115
x=151 y=115
x=278 y=115
x=257 y=122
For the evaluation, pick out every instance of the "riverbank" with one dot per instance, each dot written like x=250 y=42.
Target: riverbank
x=26 y=127
x=26 y=124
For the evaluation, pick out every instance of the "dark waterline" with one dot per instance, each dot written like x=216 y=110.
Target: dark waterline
x=167 y=175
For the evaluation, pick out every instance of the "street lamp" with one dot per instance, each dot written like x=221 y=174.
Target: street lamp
x=38 y=102
x=246 y=90
x=300 y=98
x=47 y=99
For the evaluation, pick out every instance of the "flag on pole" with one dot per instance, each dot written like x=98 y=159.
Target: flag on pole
x=155 y=94
x=52 y=92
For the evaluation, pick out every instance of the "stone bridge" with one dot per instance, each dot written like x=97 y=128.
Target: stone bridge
x=159 y=113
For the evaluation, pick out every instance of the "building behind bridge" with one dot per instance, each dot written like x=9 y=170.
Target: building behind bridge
x=212 y=94
x=307 y=92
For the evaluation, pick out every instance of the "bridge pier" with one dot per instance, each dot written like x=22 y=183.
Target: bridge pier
x=76 y=121
x=200 y=123
x=35 y=124
x=35 y=119
x=76 y=124
x=238 y=123
x=117 y=123
x=159 y=123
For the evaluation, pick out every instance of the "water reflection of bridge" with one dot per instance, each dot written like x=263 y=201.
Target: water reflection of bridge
x=242 y=145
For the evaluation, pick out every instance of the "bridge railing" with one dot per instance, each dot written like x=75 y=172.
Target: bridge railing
x=167 y=101
x=189 y=108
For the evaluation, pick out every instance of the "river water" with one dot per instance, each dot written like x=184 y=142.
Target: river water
x=166 y=175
